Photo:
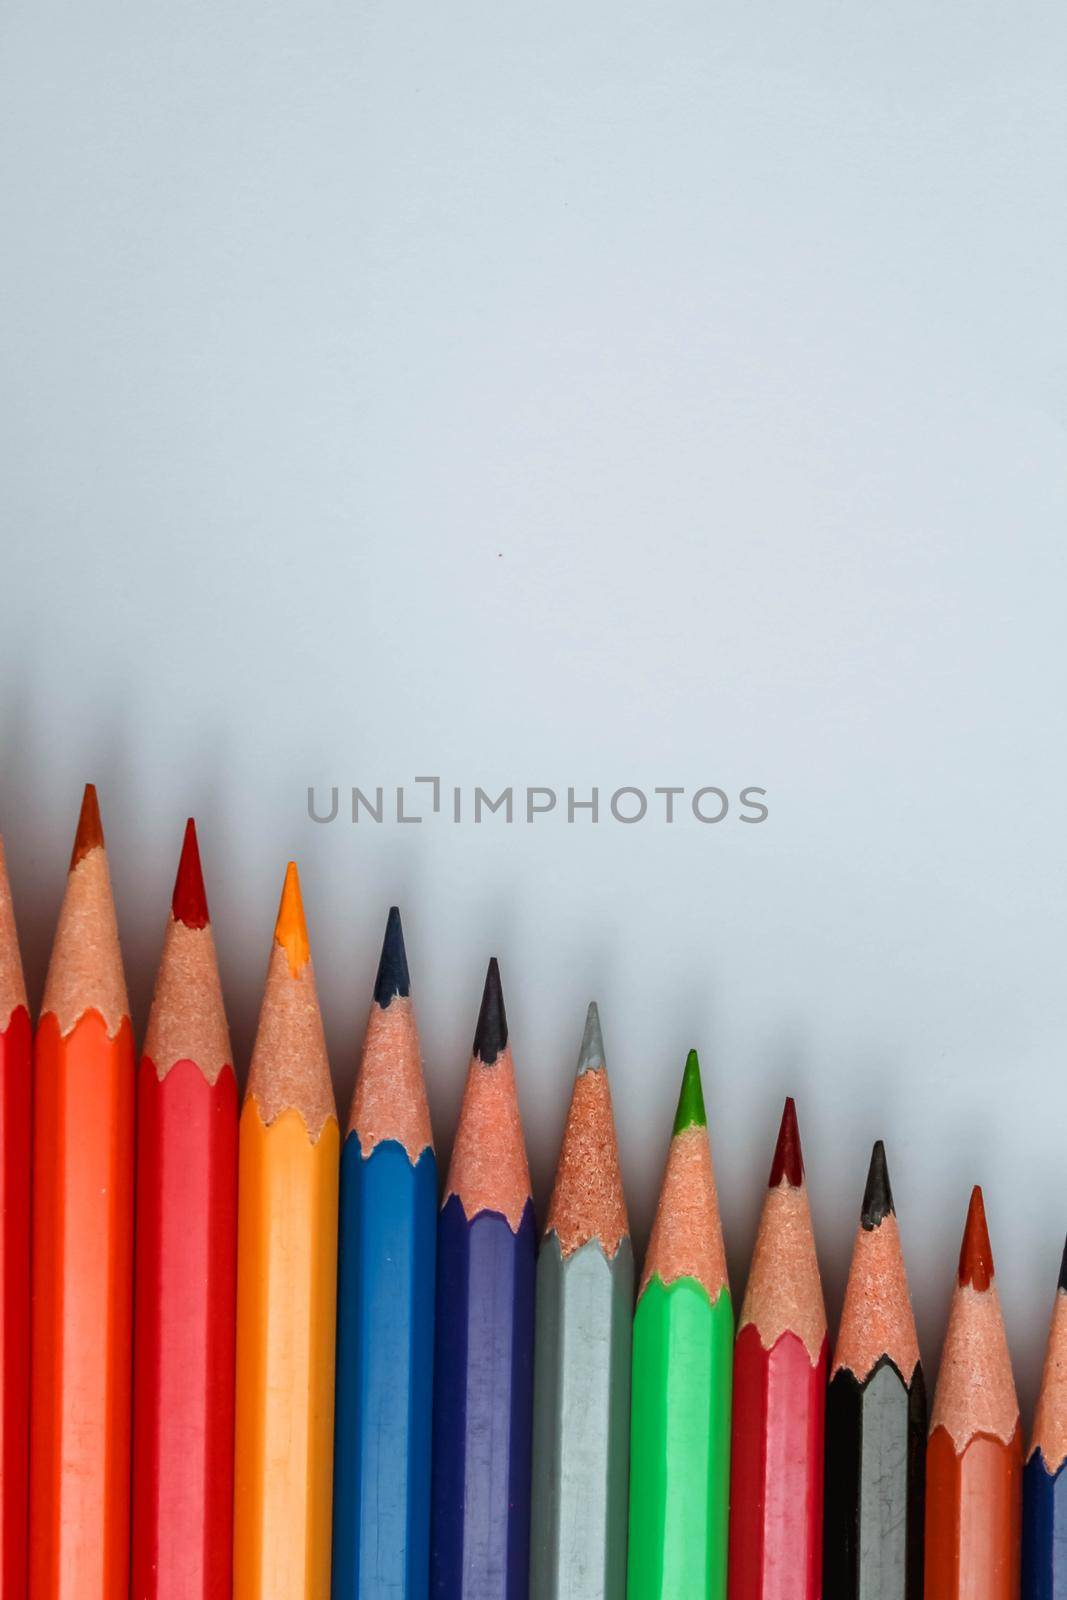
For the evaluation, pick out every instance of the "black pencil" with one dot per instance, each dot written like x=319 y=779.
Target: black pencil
x=876 y=1419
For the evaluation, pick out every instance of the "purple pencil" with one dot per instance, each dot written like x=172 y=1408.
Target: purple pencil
x=483 y=1372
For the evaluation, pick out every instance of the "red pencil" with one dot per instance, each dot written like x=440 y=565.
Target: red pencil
x=14 y=1252
x=780 y=1363
x=186 y=1268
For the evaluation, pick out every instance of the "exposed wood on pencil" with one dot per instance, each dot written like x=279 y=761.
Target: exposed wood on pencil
x=187 y=1021
x=1050 y=1419
x=12 y=982
x=587 y=1197
x=686 y=1239
x=784 y=1293
x=488 y=1170
x=290 y=1070
x=975 y=1388
x=877 y=1320
x=389 y=1101
x=85 y=972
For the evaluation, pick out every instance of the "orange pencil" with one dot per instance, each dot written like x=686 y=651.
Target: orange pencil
x=82 y=1239
x=286 y=1285
x=974 y=1460
x=14 y=1251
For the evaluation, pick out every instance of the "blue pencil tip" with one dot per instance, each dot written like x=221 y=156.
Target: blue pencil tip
x=392 y=976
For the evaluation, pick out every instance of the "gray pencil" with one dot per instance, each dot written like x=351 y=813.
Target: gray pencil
x=585 y=1283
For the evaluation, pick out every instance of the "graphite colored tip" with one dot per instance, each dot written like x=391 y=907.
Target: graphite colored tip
x=690 y=1113
x=788 y=1160
x=878 y=1196
x=1061 y=1282
x=189 y=902
x=591 y=1055
x=90 y=834
x=491 y=1034
x=392 y=976
x=290 y=930
x=976 y=1256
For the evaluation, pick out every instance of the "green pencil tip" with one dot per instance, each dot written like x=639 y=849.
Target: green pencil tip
x=690 y=1112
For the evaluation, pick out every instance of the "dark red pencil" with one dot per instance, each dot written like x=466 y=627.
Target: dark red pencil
x=185 y=1268
x=780 y=1362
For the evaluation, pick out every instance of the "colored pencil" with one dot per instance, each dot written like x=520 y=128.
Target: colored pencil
x=780 y=1397
x=974 y=1457
x=82 y=1246
x=585 y=1294
x=1044 y=1479
x=185 y=1272
x=875 y=1418
x=683 y=1356
x=289 y=1146
x=483 y=1371
x=15 y=1038
x=385 y=1306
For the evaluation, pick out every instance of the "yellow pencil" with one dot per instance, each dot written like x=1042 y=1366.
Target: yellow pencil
x=286 y=1285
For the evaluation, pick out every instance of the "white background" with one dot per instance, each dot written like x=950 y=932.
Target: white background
x=572 y=394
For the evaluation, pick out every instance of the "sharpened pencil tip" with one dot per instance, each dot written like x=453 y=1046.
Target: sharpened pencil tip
x=788 y=1160
x=189 y=901
x=690 y=1113
x=976 y=1255
x=1061 y=1282
x=491 y=1034
x=290 y=930
x=393 y=979
x=591 y=1055
x=90 y=832
x=878 y=1195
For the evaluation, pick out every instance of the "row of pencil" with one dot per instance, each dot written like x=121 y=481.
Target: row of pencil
x=326 y=1383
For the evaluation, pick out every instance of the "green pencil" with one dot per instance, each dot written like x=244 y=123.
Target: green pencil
x=682 y=1369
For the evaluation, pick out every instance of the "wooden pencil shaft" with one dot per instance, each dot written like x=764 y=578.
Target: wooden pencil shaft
x=82 y=1311
x=1044 y=1567
x=388 y=1231
x=680 y=1442
x=286 y=1322
x=581 y=1422
x=15 y=1037
x=483 y=1402
x=974 y=1453
x=974 y=1514
x=875 y=1449
x=184 y=1327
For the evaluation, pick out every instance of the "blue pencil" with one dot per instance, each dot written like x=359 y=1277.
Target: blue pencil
x=483 y=1377
x=1045 y=1477
x=385 y=1307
